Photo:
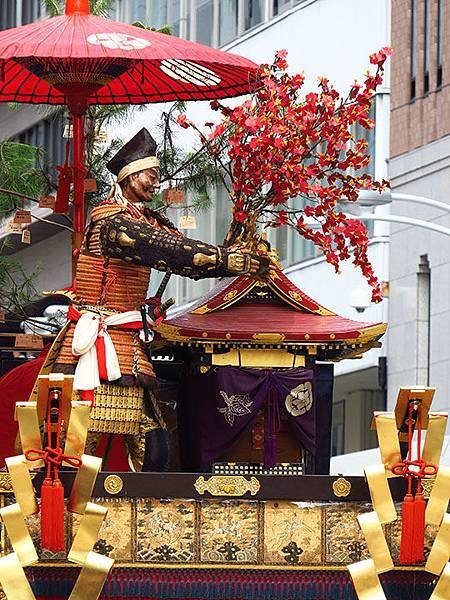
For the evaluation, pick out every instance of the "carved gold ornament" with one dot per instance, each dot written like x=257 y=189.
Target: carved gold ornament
x=341 y=487
x=230 y=295
x=427 y=486
x=5 y=484
x=227 y=486
x=113 y=484
x=295 y=295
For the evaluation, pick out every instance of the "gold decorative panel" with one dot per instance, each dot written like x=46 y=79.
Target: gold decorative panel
x=229 y=531
x=344 y=540
x=165 y=530
x=292 y=533
x=227 y=485
x=116 y=534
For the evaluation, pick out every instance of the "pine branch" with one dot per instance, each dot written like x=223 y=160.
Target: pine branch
x=101 y=8
x=53 y=7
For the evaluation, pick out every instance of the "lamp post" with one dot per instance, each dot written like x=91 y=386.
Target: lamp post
x=373 y=199
x=400 y=219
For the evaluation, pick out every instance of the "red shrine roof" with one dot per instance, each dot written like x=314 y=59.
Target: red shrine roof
x=241 y=310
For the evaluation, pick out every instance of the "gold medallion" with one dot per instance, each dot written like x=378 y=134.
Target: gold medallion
x=341 y=487
x=113 y=484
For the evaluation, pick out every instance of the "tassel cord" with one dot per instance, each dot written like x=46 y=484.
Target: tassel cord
x=419 y=449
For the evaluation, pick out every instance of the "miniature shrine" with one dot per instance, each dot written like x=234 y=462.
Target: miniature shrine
x=244 y=323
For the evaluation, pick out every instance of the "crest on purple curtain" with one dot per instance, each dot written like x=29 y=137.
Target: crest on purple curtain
x=220 y=404
x=236 y=405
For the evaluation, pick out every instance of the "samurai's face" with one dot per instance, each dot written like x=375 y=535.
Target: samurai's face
x=140 y=186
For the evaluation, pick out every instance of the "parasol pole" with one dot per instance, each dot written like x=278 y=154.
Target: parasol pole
x=79 y=172
x=77 y=7
x=78 y=106
x=77 y=109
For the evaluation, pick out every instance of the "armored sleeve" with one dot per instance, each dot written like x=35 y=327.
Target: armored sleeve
x=142 y=244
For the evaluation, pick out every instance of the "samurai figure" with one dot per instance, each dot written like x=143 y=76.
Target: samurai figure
x=101 y=343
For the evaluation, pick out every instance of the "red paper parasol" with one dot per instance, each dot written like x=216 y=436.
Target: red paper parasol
x=79 y=59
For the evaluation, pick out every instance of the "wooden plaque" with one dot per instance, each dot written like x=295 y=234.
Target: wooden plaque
x=14 y=228
x=29 y=341
x=47 y=202
x=26 y=236
x=174 y=196
x=23 y=217
x=187 y=222
x=54 y=380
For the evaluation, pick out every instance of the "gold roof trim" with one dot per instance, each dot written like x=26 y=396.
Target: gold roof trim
x=230 y=298
x=171 y=333
x=371 y=333
x=299 y=298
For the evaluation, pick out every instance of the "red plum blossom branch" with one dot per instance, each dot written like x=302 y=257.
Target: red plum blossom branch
x=292 y=157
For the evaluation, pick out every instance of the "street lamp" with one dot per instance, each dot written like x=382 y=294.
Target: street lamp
x=373 y=199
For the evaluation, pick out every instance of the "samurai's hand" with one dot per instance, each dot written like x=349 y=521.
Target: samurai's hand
x=242 y=261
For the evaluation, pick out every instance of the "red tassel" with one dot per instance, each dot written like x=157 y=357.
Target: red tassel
x=63 y=193
x=52 y=515
x=418 y=544
x=101 y=358
x=47 y=514
x=407 y=530
x=58 y=517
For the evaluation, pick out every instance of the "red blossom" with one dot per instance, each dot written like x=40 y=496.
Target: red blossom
x=217 y=131
x=285 y=145
x=183 y=122
x=379 y=58
x=240 y=216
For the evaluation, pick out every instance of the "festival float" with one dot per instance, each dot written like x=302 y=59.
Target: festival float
x=226 y=493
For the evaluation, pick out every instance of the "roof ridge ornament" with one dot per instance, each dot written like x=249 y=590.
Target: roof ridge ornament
x=78 y=7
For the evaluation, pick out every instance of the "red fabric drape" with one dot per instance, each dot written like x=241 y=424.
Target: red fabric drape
x=15 y=386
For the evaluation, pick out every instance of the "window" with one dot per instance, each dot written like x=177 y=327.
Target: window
x=205 y=22
x=175 y=18
x=228 y=21
x=369 y=135
x=338 y=428
x=253 y=13
x=413 y=50
x=223 y=213
x=280 y=244
x=8 y=14
x=300 y=249
x=158 y=14
x=134 y=11
x=426 y=48
x=439 y=44
x=279 y=6
x=48 y=136
x=31 y=11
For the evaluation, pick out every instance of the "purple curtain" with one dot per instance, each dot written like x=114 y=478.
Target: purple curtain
x=216 y=407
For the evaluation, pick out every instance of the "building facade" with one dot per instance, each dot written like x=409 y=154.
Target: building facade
x=420 y=164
